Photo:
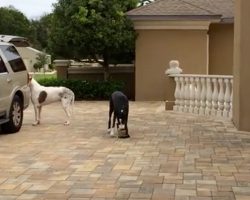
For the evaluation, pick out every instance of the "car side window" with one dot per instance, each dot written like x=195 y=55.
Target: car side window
x=3 y=68
x=13 y=58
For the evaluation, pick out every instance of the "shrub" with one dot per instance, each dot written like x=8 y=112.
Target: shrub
x=51 y=66
x=37 y=66
x=86 y=90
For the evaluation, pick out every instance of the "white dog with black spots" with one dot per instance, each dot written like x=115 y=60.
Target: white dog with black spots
x=41 y=95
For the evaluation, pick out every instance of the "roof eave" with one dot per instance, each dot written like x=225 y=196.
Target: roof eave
x=174 y=17
x=229 y=20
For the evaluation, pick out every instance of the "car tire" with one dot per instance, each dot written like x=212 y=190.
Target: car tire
x=15 y=116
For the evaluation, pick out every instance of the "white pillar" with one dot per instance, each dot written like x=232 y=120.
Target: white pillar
x=177 y=94
x=187 y=94
x=215 y=97
x=197 y=95
x=182 y=95
x=220 y=98
x=226 y=99
x=208 y=97
x=192 y=95
x=203 y=96
x=231 y=101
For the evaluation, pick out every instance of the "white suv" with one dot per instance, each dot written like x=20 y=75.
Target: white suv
x=14 y=91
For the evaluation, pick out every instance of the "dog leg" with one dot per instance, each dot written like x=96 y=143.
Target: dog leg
x=39 y=114
x=67 y=122
x=36 y=122
x=126 y=128
x=112 y=133
x=110 y=115
x=66 y=108
x=67 y=111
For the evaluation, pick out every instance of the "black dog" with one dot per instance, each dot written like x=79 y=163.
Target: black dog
x=119 y=105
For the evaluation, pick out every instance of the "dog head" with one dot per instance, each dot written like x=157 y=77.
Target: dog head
x=122 y=115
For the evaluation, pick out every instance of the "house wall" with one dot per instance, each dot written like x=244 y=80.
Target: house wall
x=241 y=95
x=221 y=37
x=154 y=50
x=29 y=56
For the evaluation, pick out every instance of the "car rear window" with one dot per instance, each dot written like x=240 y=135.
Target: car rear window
x=13 y=58
x=2 y=66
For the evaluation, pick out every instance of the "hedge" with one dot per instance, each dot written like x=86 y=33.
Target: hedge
x=86 y=90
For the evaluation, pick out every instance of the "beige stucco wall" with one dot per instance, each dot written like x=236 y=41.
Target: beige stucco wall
x=29 y=56
x=221 y=38
x=241 y=97
x=154 y=50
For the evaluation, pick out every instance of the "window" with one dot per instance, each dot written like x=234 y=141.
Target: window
x=13 y=58
x=2 y=66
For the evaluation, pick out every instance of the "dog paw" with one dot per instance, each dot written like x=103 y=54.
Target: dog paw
x=121 y=126
x=112 y=133
x=66 y=123
x=108 y=130
x=35 y=123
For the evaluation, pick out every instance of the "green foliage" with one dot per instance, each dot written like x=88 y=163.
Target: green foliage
x=37 y=66
x=41 y=31
x=51 y=67
x=39 y=76
x=92 y=29
x=86 y=90
x=42 y=60
x=13 y=22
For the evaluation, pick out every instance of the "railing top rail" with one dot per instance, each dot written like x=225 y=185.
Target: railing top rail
x=201 y=76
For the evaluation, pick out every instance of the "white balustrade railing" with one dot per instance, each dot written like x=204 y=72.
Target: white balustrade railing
x=204 y=94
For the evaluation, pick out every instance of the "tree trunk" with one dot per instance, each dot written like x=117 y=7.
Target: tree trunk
x=106 y=67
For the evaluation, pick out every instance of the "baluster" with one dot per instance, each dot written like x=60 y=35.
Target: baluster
x=177 y=94
x=192 y=95
x=203 y=96
x=182 y=93
x=187 y=95
x=226 y=99
x=215 y=97
x=197 y=95
x=231 y=101
x=220 y=98
x=208 y=97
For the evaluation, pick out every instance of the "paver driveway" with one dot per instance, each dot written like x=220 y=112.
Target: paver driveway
x=169 y=156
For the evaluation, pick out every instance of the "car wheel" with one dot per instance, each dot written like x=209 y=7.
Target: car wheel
x=15 y=116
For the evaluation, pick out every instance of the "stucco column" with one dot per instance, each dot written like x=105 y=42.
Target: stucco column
x=173 y=69
x=62 y=68
x=241 y=96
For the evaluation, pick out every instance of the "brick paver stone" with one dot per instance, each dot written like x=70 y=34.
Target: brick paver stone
x=169 y=156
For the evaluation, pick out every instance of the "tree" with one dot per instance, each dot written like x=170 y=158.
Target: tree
x=41 y=29
x=42 y=60
x=13 y=22
x=96 y=29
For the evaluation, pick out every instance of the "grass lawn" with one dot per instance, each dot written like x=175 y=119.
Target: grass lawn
x=38 y=76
